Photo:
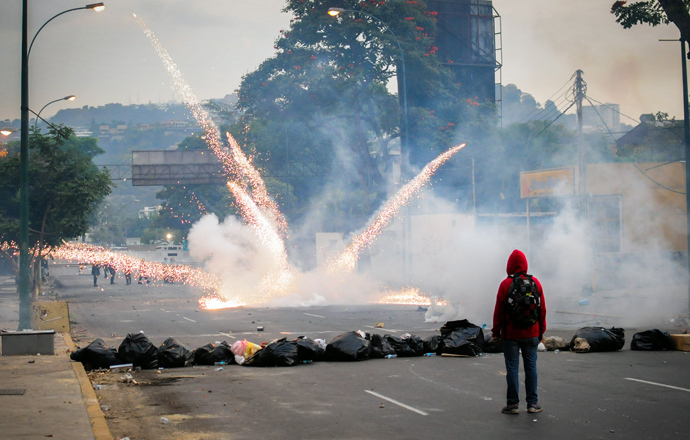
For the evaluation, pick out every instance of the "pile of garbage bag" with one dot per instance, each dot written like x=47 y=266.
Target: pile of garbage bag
x=456 y=338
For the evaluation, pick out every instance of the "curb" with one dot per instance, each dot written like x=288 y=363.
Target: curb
x=93 y=408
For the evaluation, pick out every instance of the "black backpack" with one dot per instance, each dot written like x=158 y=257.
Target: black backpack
x=524 y=301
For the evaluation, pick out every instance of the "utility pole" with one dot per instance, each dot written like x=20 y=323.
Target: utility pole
x=686 y=125
x=579 y=91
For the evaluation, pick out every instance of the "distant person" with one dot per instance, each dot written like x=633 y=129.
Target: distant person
x=520 y=320
x=112 y=271
x=96 y=272
x=128 y=276
x=81 y=268
x=172 y=260
x=44 y=270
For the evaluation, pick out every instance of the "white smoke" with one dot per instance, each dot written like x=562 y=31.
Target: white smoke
x=231 y=250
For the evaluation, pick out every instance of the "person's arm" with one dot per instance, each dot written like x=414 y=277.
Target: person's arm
x=499 y=316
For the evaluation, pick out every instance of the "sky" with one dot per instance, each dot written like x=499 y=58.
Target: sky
x=104 y=57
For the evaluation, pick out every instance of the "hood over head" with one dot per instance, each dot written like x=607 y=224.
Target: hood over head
x=517 y=263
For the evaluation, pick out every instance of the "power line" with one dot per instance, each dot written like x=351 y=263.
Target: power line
x=613 y=109
x=633 y=163
x=548 y=99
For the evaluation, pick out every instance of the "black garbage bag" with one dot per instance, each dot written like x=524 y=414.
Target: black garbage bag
x=348 y=347
x=278 y=353
x=209 y=354
x=139 y=351
x=96 y=355
x=650 y=340
x=593 y=339
x=462 y=338
x=380 y=347
x=410 y=346
x=309 y=350
x=172 y=354
x=433 y=344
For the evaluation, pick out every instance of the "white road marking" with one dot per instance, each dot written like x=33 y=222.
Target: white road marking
x=164 y=310
x=228 y=335
x=318 y=316
x=418 y=411
x=188 y=319
x=657 y=384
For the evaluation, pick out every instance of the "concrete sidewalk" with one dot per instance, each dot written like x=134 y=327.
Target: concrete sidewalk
x=45 y=396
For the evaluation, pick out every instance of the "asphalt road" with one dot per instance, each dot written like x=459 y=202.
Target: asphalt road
x=626 y=394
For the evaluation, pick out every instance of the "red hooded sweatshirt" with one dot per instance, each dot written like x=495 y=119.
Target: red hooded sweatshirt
x=503 y=328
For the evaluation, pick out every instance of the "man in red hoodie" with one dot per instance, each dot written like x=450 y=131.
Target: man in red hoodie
x=517 y=338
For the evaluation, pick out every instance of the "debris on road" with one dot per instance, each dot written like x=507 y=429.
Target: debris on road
x=650 y=340
x=593 y=339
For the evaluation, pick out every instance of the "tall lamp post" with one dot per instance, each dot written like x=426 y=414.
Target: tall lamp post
x=404 y=139
x=66 y=98
x=334 y=12
x=686 y=139
x=24 y=267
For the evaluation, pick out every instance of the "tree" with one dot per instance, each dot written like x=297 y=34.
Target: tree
x=654 y=13
x=65 y=188
x=323 y=98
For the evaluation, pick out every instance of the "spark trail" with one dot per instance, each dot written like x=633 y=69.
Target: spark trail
x=89 y=254
x=277 y=281
x=235 y=165
x=346 y=261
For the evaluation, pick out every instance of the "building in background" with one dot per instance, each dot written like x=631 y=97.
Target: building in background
x=468 y=43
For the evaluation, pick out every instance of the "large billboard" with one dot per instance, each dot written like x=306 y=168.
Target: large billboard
x=555 y=182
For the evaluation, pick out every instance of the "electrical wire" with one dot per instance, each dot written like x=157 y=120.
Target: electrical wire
x=633 y=163
x=613 y=109
x=550 y=98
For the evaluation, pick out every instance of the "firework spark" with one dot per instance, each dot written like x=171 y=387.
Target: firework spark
x=346 y=261
x=215 y=302
x=259 y=192
x=235 y=164
x=279 y=278
x=256 y=209
x=176 y=273
x=409 y=296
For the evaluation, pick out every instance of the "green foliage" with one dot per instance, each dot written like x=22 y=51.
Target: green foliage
x=640 y=12
x=322 y=103
x=65 y=188
x=654 y=13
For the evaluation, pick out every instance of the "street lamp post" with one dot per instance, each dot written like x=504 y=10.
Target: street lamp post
x=404 y=138
x=24 y=267
x=66 y=98
x=686 y=141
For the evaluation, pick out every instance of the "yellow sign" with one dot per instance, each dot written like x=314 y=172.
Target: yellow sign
x=547 y=183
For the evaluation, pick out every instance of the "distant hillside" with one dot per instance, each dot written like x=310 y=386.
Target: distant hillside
x=125 y=114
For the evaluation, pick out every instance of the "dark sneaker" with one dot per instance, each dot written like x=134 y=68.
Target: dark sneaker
x=533 y=408
x=511 y=409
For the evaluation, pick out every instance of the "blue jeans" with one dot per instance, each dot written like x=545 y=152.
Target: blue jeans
x=511 y=353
